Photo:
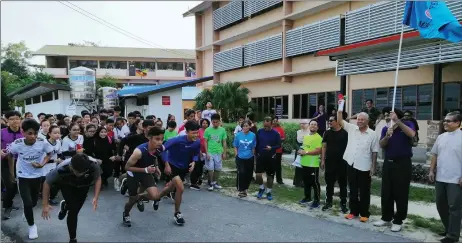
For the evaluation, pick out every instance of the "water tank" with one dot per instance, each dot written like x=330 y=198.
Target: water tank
x=108 y=97
x=82 y=81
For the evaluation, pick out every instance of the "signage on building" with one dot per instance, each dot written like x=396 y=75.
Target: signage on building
x=165 y=100
x=71 y=110
x=279 y=111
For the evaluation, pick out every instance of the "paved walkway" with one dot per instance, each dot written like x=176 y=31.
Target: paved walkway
x=209 y=216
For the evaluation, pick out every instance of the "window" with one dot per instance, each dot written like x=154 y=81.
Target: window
x=175 y=66
x=56 y=95
x=113 y=64
x=416 y=98
x=142 y=101
x=84 y=63
x=305 y=105
x=36 y=99
x=149 y=66
x=28 y=101
x=452 y=93
x=266 y=106
x=47 y=97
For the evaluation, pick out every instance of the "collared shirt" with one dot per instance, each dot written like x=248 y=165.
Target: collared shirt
x=448 y=150
x=360 y=147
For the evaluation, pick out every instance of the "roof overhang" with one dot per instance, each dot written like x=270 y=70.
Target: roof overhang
x=36 y=88
x=197 y=9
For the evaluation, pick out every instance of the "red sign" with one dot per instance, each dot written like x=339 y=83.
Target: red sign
x=165 y=100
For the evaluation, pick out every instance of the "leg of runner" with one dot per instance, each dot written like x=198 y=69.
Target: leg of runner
x=74 y=199
x=29 y=189
x=175 y=184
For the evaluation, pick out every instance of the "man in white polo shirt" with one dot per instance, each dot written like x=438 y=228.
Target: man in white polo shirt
x=447 y=159
x=361 y=155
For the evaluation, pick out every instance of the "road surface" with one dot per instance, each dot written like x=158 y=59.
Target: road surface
x=209 y=216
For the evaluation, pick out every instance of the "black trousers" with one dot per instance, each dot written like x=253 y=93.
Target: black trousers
x=119 y=168
x=396 y=179
x=278 y=167
x=10 y=187
x=360 y=191
x=448 y=204
x=196 y=174
x=74 y=197
x=106 y=167
x=29 y=190
x=244 y=173
x=311 y=180
x=336 y=171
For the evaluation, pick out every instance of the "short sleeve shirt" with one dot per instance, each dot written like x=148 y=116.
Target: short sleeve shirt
x=311 y=143
x=448 y=150
x=360 y=147
x=215 y=137
x=28 y=154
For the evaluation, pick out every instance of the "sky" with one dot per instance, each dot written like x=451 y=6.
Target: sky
x=41 y=23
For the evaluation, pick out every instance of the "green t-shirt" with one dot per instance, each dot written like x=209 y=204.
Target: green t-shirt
x=215 y=137
x=311 y=143
x=168 y=134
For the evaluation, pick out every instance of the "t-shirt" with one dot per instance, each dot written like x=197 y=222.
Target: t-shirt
x=448 y=150
x=64 y=176
x=27 y=154
x=180 y=152
x=282 y=134
x=336 y=143
x=245 y=143
x=215 y=137
x=121 y=133
x=8 y=136
x=207 y=114
x=69 y=147
x=311 y=143
x=237 y=129
x=267 y=138
x=56 y=151
x=399 y=144
x=170 y=134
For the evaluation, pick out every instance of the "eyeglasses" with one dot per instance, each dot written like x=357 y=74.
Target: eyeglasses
x=448 y=121
x=331 y=120
x=91 y=131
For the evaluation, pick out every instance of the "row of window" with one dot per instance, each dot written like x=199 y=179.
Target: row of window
x=272 y=105
x=45 y=97
x=305 y=105
x=150 y=66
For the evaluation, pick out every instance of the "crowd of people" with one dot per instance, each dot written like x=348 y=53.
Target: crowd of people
x=49 y=154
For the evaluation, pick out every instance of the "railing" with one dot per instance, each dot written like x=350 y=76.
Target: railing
x=111 y=72
x=414 y=55
x=227 y=60
x=170 y=73
x=264 y=50
x=55 y=71
x=228 y=14
x=313 y=37
x=382 y=19
x=253 y=7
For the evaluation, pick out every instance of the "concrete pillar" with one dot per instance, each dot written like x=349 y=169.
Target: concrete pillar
x=286 y=61
x=437 y=88
x=199 y=64
x=216 y=34
x=199 y=31
x=287 y=7
x=216 y=76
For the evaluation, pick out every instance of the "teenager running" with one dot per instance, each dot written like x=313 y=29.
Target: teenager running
x=30 y=150
x=140 y=167
x=74 y=177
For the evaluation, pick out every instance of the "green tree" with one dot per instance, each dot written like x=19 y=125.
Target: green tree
x=15 y=67
x=43 y=77
x=6 y=101
x=202 y=98
x=16 y=51
x=106 y=81
x=85 y=43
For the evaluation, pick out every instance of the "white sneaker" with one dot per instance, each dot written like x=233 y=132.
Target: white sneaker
x=396 y=227
x=117 y=184
x=216 y=186
x=211 y=188
x=33 y=234
x=381 y=223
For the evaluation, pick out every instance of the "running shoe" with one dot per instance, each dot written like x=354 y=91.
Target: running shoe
x=195 y=187
x=178 y=217
x=73 y=241
x=327 y=207
x=116 y=184
x=260 y=193
x=216 y=186
x=363 y=219
x=123 y=186
x=304 y=201
x=140 y=205
x=269 y=196
x=210 y=187
x=314 y=205
x=344 y=208
x=126 y=219
x=242 y=194
x=350 y=216
x=62 y=210
x=33 y=234
x=155 y=205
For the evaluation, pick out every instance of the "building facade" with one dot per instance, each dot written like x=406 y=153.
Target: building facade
x=298 y=55
x=130 y=66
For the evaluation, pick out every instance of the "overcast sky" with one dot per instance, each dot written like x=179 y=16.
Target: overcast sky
x=52 y=23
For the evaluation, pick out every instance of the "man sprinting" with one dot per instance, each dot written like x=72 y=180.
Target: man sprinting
x=180 y=154
x=74 y=177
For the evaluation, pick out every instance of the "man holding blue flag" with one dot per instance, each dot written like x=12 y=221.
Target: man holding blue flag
x=432 y=19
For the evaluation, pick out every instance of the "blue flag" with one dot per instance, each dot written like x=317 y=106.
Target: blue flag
x=432 y=19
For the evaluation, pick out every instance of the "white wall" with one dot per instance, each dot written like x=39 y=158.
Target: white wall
x=51 y=107
x=130 y=106
x=175 y=108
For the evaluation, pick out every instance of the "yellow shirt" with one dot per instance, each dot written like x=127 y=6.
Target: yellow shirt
x=311 y=143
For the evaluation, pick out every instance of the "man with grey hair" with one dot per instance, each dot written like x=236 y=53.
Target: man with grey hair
x=361 y=155
x=447 y=158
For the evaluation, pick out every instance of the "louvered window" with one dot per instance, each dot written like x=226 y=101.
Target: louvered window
x=228 y=14
x=265 y=50
x=382 y=19
x=321 y=35
x=413 y=55
x=253 y=7
x=227 y=60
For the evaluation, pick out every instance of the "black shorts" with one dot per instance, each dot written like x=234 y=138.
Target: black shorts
x=143 y=180
x=266 y=164
x=178 y=172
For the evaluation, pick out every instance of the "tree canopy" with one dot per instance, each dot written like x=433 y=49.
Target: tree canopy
x=106 y=81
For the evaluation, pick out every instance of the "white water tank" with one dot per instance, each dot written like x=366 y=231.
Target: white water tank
x=82 y=81
x=108 y=98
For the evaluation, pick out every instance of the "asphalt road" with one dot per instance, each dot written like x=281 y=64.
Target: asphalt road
x=209 y=216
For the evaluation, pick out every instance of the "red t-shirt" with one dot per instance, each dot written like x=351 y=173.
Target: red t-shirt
x=281 y=132
x=181 y=128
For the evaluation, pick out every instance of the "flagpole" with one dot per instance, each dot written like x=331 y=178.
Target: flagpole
x=397 y=67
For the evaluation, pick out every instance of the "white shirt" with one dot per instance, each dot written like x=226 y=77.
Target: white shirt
x=71 y=145
x=119 y=134
x=182 y=133
x=207 y=114
x=27 y=154
x=448 y=149
x=41 y=135
x=237 y=129
x=360 y=147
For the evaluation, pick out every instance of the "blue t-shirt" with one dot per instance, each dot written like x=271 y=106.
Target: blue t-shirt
x=245 y=143
x=180 y=152
x=399 y=144
x=268 y=138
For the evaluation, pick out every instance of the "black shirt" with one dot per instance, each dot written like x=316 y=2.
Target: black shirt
x=64 y=176
x=336 y=143
x=132 y=142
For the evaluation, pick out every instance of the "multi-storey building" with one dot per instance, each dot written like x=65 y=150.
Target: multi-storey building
x=127 y=65
x=299 y=54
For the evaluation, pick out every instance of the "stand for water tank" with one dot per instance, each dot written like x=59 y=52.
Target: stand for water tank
x=89 y=106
